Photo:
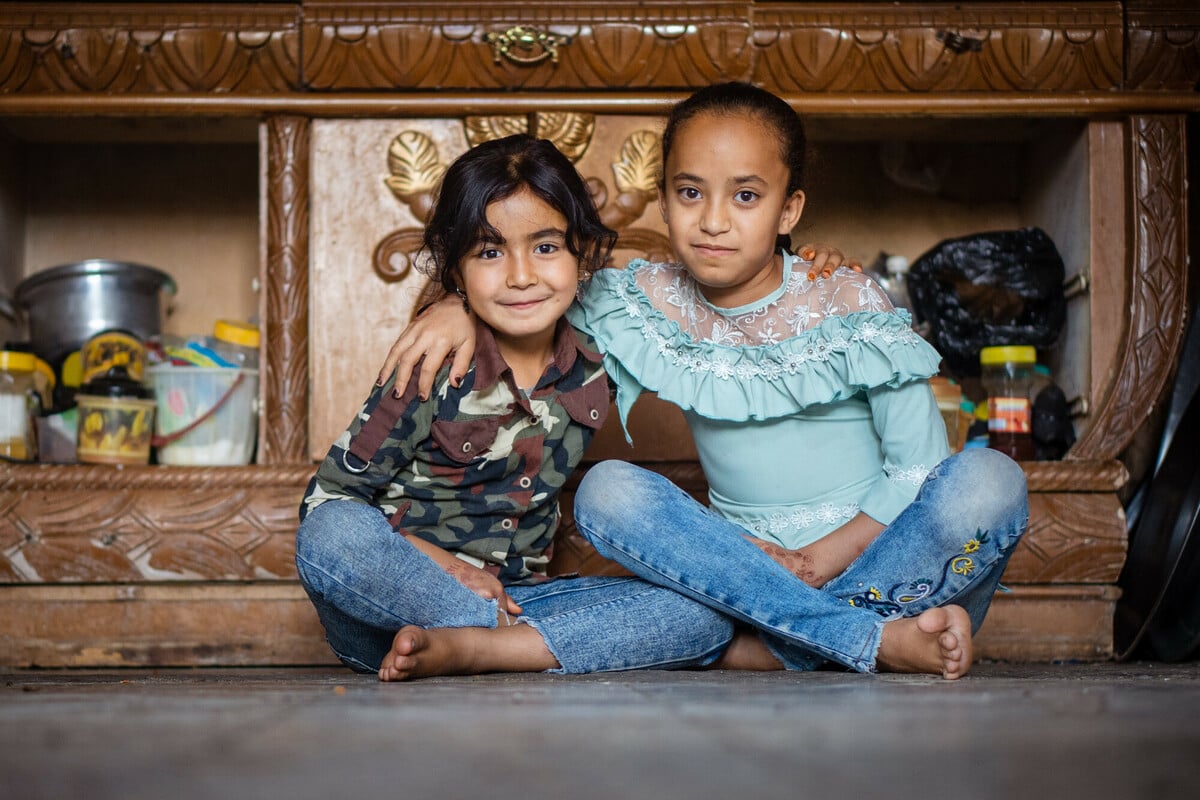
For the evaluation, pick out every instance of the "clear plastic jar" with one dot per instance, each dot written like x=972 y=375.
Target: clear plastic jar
x=236 y=342
x=1007 y=376
x=18 y=435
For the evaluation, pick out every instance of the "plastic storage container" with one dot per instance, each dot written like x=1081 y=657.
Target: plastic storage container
x=18 y=436
x=115 y=422
x=1007 y=376
x=207 y=416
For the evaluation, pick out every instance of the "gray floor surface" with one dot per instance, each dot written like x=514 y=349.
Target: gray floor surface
x=1005 y=731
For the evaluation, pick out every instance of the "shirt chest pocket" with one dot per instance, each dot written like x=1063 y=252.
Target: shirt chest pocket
x=469 y=440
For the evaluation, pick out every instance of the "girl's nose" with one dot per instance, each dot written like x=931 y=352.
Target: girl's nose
x=521 y=272
x=713 y=219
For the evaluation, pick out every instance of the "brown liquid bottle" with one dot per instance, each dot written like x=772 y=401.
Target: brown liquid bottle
x=1007 y=374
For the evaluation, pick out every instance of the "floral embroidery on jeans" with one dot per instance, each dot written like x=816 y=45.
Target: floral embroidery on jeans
x=903 y=594
x=873 y=600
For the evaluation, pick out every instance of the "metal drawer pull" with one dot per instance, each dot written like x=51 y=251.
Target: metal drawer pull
x=525 y=46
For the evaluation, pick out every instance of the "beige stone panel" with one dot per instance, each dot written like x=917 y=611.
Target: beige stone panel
x=355 y=314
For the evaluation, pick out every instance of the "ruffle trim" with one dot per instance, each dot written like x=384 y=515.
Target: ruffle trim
x=835 y=360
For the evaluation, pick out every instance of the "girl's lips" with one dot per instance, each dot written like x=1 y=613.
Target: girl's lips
x=521 y=305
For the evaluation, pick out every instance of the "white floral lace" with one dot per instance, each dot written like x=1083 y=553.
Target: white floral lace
x=802 y=518
x=914 y=474
x=802 y=306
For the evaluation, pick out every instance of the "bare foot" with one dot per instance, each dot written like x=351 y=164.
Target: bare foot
x=746 y=651
x=937 y=642
x=420 y=653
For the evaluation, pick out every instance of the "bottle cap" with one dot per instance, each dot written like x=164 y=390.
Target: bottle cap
x=239 y=333
x=1020 y=354
x=16 y=361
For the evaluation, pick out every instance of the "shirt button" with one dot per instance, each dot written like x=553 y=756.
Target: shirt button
x=525 y=483
x=506 y=524
x=466 y=448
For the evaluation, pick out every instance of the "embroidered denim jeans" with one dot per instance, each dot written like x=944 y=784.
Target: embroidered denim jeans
x=949 y=546
x=366 y=582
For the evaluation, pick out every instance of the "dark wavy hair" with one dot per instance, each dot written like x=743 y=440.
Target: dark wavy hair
x=496 y=170
x=743 y=99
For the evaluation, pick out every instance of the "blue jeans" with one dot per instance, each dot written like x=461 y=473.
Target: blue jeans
x=367 y=582
x=949 y=546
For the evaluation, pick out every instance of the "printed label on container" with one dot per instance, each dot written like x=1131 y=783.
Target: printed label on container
x=1008 y=414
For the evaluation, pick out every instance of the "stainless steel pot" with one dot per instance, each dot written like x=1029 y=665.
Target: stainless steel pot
x=66 y=305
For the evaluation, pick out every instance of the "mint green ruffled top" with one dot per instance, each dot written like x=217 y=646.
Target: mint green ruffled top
x=807 y=406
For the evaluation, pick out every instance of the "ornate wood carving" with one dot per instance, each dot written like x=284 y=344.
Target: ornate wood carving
x=915 y=47
x=92 y=47
x=148 y=523
x=254 y=49
x=283 y=428
x=1158 y=277
x=444 y=45
x=1163 y=45
x=1073 y=537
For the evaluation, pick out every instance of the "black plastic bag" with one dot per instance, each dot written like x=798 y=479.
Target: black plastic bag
x=998 y=288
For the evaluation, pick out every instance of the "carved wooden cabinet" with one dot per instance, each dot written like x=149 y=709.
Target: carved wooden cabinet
x=302 y=140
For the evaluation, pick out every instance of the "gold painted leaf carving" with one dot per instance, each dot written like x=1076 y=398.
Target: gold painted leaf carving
x=413 y=162
x=570 y=132
x=486 y=129
x=640 y=164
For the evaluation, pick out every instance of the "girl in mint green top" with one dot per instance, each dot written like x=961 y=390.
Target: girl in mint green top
x=818 y=372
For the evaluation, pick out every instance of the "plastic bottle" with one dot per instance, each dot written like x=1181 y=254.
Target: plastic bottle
x=18 y=438
x=1007 y=376
x=236 y=342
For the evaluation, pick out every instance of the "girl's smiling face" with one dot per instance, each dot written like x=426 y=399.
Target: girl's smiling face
x=725 y=201
x=522 y=284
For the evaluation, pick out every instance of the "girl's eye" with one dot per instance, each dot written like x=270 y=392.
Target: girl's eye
x=546 y=248
x=489 y=253
x=689 y=193
x=746 y=196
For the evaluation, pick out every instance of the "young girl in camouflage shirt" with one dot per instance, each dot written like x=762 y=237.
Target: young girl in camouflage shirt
x=440 y=513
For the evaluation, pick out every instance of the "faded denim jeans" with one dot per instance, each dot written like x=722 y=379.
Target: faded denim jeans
x=367 y=581
x=949 y=546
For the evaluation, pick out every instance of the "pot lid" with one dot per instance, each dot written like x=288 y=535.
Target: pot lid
x=138 y=273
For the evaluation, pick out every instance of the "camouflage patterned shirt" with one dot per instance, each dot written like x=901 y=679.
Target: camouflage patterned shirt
x=476 y=470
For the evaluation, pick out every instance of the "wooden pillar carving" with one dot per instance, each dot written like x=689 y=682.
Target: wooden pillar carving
x=283 y=428
x=1158 y=285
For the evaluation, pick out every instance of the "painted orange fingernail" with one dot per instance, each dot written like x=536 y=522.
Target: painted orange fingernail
x=809 y=254
x=812 y=276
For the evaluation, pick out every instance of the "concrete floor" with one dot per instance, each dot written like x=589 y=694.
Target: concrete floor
x=1005 y=731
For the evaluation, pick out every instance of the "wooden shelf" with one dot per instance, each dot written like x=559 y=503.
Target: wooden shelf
x=168 y=565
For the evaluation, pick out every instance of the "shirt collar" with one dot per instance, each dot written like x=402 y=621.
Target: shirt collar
x=490 y=365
